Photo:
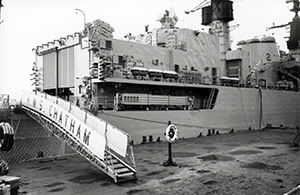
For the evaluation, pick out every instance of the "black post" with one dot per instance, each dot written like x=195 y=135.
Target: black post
x=170 y=162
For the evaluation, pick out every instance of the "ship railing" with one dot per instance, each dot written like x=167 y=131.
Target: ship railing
x=183 y=77
x=202 y=80
x=105 y=102
x=293 y=191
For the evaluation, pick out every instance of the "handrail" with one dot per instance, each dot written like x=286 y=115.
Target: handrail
x=200 y=81
x=120 y=160
x=293 y=191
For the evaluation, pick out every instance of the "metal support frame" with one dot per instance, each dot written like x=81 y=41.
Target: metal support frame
x=170 y=162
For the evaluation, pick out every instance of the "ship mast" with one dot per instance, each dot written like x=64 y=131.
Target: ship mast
x=221 y=15
x=0 y=11
x=217 y=16
x=294 y=39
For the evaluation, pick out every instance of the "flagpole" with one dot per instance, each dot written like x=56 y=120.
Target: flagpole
x=0 y=11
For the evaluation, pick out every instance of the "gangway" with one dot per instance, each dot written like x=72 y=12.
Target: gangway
x=102 y=144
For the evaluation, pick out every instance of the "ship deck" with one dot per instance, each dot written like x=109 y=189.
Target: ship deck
x=246 y=162
x=151 y=82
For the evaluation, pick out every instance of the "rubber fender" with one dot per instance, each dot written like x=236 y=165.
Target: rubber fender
x=4 y=143
x=1 y=132
x=8 y=137
x=10 y=142
x=9 y=129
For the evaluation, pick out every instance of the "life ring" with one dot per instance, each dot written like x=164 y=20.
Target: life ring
x=6 y=137
x=171 y=133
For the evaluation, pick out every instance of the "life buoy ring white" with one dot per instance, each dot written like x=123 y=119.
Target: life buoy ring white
x=171 y=133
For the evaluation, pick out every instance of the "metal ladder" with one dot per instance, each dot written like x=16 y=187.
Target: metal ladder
x=210 y=98
x=171 y=60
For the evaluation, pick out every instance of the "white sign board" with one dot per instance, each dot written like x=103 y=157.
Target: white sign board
x=91 y=136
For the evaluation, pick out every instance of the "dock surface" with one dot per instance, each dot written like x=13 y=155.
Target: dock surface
x=246 y=162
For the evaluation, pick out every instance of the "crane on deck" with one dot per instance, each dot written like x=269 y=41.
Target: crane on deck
x=278 y=26
x=200 y=6
x=206 y=4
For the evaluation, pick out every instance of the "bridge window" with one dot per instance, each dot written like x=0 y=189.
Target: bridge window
x=233 y=68
x=176 y=68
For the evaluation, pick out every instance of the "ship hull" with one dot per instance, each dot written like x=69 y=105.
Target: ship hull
x=235 y=108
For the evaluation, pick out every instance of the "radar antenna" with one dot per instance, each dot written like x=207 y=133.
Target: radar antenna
x=278 y=26
x=295 y=7
x=168 y=19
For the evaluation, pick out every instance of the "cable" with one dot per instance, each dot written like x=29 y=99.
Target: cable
x=243 y=107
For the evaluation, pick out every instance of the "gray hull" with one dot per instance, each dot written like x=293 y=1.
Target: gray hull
x=235 y=108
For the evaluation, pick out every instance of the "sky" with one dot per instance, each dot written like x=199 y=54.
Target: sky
x=28 y=24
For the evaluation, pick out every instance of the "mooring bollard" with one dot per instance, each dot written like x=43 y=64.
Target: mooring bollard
x=208 y=132
x=144 y=140
x=150 y=138
x=158 y=139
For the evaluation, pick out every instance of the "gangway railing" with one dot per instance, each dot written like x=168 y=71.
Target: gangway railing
x=102 y=144
x=293 y=191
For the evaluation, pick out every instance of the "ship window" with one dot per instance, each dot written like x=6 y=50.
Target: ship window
x=214 y=75
x=193 y=68
x=155 y=62
x=108 y=44
x=122 y=60
x=232 y=72
x=176 y=68
x=233 y=68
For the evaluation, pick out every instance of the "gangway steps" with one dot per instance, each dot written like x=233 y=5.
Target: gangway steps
x=123 y=171
x=112 y=165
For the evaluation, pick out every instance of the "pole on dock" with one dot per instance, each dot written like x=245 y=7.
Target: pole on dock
x=171 y=135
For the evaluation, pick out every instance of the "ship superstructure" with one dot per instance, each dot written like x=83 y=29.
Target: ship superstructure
x=175 y=73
